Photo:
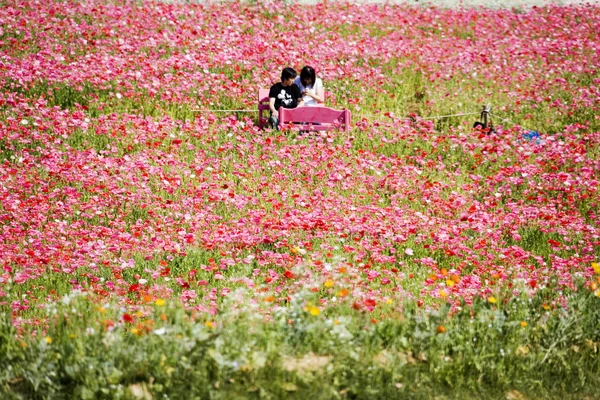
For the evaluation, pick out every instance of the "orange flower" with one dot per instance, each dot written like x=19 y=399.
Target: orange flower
x=440 y=329
x=269 y=299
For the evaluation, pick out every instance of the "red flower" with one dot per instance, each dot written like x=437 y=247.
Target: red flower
x=127 y=318
x=289 y=274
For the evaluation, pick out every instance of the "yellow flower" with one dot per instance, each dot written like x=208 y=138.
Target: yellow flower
x=135 y=331
x=389 y=301
x=48 y=340
x=294 y=250
x=443 y=294
x=209 y=324
x=597 y=293
x=545 y=306
x=139 y=314
x=596 y=267
x=492 y=300
x=314 y=311
x=23 y=344
x=449 y=282
x=102 y=310
x=159 y=302
x=72 y=336
x=328 y=283
x=523 y=324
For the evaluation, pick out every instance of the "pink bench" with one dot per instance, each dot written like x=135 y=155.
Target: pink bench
x=314 y=119
x=328 y=118
x=263 y=105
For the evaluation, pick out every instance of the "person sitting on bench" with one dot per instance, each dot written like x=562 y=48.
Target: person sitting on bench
x=310 y=86
x=284 y=94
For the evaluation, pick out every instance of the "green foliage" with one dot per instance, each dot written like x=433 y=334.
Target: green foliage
x=485 y=350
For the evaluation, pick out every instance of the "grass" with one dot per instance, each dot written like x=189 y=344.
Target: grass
x=491 y=350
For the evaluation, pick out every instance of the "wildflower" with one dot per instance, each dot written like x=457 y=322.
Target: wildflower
x=135 y=331
x=523 y=324
x=492 y=300
x=23 y=344
x=449 y=282
x=440 y=329
x=343 y=293
x=72 y=336
x=409 y=251
x=209 y=324
x=127 y=318
x=159 y=302
x=443 y=294
x=596 y=267
x=314 y=311
x=48 y=339
x=328 y=283
x=597 y=293
x=545 y=306
x=269 y=299
x=289 y=274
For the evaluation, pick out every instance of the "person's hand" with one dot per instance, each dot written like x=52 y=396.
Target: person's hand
x=274 y=114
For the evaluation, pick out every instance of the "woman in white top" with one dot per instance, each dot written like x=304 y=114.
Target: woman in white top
x=311 y=87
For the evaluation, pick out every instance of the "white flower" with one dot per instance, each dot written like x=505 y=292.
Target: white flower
x=409 y=252
x=160 y=331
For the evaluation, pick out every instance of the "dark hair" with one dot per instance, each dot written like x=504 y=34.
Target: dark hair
x=288 y=73
x=308 y=73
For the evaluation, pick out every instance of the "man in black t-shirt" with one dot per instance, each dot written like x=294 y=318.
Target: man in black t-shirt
x=284 y=94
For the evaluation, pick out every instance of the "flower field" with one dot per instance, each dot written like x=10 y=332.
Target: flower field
x=154 y=246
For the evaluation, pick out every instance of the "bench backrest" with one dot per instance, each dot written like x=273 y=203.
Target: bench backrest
x=263 y=95
x=325 y=116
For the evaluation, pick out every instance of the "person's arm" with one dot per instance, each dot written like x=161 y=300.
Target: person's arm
x=298 y=96
x=318 y=94
x=274 y=112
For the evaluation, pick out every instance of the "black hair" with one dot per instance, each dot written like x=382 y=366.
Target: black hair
x=308 y=73
x=288 y=73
